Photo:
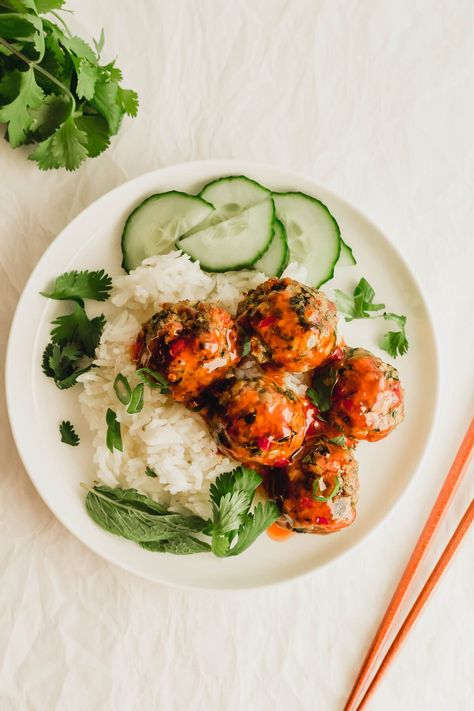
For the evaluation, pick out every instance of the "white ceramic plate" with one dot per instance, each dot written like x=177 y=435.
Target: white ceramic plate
x=36 y=406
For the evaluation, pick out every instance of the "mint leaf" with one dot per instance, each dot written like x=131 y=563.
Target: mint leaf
x=68 y=434
x=17 y=113
x=77 y=286
x=127 y=513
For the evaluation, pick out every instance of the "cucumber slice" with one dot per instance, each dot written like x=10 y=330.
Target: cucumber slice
x=313 y=234
x=154 y=226
x=230 y=196
x=236 y=243
x=346 y=257
x=275 y=260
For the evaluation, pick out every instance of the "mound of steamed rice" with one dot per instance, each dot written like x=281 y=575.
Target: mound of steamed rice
x=166 y=437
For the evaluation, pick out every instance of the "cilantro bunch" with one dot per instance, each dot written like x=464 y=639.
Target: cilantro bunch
x=54 y=92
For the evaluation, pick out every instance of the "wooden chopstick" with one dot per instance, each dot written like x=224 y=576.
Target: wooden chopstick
x=421 y=601
x=433 y=521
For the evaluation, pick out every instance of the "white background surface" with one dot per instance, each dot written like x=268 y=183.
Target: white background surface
x=374 y=100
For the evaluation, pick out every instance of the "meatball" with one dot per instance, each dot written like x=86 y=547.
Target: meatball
x=289 y=324
x=191 y=345
x=367 y=399
x=257 y=421
x=317 y=494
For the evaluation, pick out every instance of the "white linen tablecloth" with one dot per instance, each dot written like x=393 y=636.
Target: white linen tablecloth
x=374 y=99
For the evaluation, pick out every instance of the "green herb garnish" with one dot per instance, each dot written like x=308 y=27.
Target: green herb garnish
x=331 y=495
x=74 y=337
x=395 y=342
x=68 y=434
x=232 y=529
x=127 y=513
x=54 y=91
x=136 y=401
x=360 y=305
x=122 y=389
x=153 y=379
x=151 y=473
x=114 y=436
x=77 y=286
x=340 y=440
x=246 y=346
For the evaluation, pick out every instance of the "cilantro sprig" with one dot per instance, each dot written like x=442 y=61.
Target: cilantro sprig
x=68 y=433
x=361 y=305
x=75 y=336
x=54 y=90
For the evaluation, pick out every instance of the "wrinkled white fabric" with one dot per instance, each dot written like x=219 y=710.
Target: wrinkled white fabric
x=374 y=100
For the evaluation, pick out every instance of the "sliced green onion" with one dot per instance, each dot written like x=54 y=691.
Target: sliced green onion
x=114 y=437
x=340 y=440
x=153 y=379
x=136 y=402
x=151 y=473
x=336 y=488
x=122 y=389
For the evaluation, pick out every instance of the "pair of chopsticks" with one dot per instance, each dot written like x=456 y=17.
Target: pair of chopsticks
x=387 y=624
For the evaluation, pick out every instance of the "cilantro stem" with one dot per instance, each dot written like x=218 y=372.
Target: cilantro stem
x=42 y=71
x=60 y=19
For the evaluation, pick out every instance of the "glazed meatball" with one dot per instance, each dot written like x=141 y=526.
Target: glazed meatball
x=191 y=345
x=257 y=421
x=289 y=324
x=317 y=494
x=367 y=399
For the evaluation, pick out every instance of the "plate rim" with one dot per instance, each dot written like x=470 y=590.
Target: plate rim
x=230 y=167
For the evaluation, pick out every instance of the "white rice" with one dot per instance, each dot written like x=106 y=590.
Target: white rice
x=164 y=436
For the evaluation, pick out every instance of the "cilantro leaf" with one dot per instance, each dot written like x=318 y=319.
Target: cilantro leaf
x=239 y=479
x=76 y=286
x=99 y=44
x=87 y=75
x=59 y=363
x=44 y=6
x=395 y=342
x=105 y=102
x=49 y=115
x=114 y=435
x=68 y=434
x=66 y=148
x=17 y=113
x=97 y=134
x=256 y=523
x=127 y=99
x=77 y=327
x=360 y=303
